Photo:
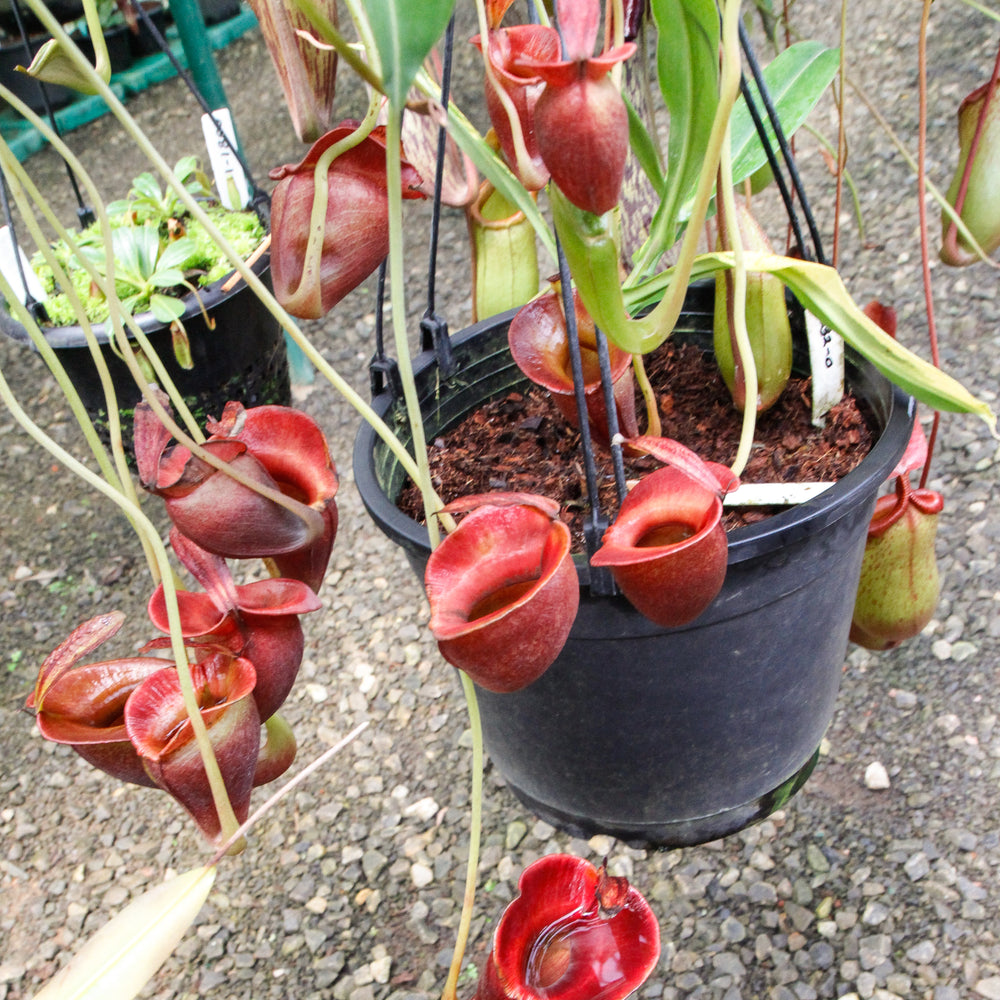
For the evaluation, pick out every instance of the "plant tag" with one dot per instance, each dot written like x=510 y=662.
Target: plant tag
x=773 y=494
x=10 y=252
x=826 y=360
x=230 y=180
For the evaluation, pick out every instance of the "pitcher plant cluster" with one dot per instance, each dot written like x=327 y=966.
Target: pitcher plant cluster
x=260 y=483
x=129 y=717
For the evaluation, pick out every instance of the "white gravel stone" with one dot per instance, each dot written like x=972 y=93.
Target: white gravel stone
x=875 y=913
x=963 y=650
x=942 y=649
x=423 y=809
x=877 y=777
x=381 y=969
x=421 y=874
x=317 y=692
x=904 y=699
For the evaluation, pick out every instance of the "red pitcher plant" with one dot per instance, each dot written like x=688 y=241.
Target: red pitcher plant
x=573 y=933
x=312 y=275
x=667 y=548
x=258 y=621
x=539 y=344
x=127 y=718
x=503 y=589
x=284 y=509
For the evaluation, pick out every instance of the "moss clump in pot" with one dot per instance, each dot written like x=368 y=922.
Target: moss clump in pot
x=160 y=253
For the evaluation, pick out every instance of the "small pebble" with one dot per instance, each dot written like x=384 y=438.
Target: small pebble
x=421 y=875
x=876 y=777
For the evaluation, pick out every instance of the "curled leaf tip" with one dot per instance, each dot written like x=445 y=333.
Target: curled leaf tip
x=53 y=64
x=712 y=476
x=466 y=504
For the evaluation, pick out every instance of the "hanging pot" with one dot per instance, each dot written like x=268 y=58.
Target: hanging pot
x=242 y=358
x=117 y=38
x=142 y=41
x=671 y=736
x=62 y=10
x=217 y=11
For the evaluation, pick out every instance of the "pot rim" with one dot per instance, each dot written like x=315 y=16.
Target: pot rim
x=73 y=336
x=886 y=401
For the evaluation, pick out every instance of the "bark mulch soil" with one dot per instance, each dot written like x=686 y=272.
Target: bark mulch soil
x=521 y=442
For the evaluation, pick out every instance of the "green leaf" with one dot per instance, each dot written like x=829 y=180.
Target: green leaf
x=177 y=253
x=185 y=167
x=53 y=63
x=146 y=187
x=496 y=172
x=169 y=277
x=136 y=249
x=592 y=253
x=134 y=304
x=820 y=289
x=642 y=145
x=120 y=207
x=125 y=953
x=795 y=79
x=405 y=31
x=687 y=64
x=166 y=308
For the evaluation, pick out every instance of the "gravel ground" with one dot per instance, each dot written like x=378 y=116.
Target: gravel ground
x=351 y=887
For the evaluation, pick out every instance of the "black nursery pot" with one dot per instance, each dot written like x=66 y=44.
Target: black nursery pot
x=243 y=358
x=671 y=737
x=118 y=41
x=141 y=41
x=217 y=11
x=62 y=10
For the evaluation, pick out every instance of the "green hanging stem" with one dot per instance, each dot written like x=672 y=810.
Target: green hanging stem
x=253 y=281
x=736 y=280
x=397 y=297
x=220 y=795
x=475 y=832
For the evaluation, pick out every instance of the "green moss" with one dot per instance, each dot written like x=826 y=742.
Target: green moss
x=242 y=229
x=57 y=304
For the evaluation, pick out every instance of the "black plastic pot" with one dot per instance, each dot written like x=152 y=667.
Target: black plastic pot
x=217 y=11
x=142 y=41
x=63 y=11
x=118 y=40
x=242 y=358
x=677 y=736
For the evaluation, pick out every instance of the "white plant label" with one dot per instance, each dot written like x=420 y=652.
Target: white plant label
x=230 y=180
x=826 y=359
x=9 y=253
x=773 y=494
